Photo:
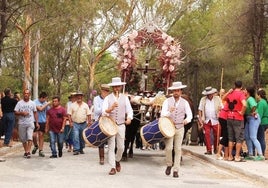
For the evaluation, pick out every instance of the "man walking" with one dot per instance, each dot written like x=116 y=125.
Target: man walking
x=38 y=136
x=179 y=110
x=27 y=115
x=97 y=109
x=79 y=117
x=55 y=123
x=118 y=107
x=208 y=111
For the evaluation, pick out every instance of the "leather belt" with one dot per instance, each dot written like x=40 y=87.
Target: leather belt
x=81 y=123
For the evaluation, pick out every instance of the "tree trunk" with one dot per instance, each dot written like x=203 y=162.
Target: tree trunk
x=3 y=27
x=91 y=76
x=257 y=33
x=27 y=54
x=79 y=58
x=36 y=65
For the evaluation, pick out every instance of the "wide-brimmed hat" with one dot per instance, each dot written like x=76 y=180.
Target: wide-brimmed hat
x=72 y=94
x=116 y=82
x=105 y=87
x=79 y=93
x=209 y=90
x=177 y=85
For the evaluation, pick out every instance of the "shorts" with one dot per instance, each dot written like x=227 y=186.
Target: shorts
x=42 y=127
x=26 y=132
x=236 y=130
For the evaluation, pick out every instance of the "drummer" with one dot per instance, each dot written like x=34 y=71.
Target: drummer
x=117 y=106
x=97 y=110
x=177 y=109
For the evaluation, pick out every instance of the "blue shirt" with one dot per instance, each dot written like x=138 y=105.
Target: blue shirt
x=41 y=114
x=97 y=107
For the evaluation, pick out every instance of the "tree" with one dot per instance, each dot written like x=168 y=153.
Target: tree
x=258 y=25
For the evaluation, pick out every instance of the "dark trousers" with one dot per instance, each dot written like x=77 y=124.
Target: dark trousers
x=8 y=121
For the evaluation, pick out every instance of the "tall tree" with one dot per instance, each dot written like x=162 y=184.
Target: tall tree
x=258 y=27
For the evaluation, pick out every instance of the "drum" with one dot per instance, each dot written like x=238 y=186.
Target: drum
x=100 y=131
x=157 y=130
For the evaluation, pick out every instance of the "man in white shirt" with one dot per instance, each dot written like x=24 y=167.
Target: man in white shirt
x=117 y=106
x=178 y=109
x=208 y=112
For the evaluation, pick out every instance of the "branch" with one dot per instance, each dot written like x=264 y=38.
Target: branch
x=115 y=38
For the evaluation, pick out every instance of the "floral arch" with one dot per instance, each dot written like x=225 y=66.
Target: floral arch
x=169 y=51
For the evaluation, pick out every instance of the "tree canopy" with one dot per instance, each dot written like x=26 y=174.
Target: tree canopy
x=75 y=42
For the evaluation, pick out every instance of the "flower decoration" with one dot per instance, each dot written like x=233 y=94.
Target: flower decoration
x=170 y=50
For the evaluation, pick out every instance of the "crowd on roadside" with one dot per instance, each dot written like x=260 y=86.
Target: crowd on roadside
x=234 y=123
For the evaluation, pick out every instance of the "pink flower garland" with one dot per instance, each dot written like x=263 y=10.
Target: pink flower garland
x=170 y=50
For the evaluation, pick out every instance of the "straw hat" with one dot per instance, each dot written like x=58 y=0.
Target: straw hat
x=105 y=87
x=116 y=82
x=177 y=85
x=209 y=90
x=72 y=94
x=79 y=93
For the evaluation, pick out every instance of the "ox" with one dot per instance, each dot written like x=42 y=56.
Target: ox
x=132 y=129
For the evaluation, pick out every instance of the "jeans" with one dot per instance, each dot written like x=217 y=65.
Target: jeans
x=9 y=122
x=78 y=140
x=56 y=137
x=261 y=137
x=68 y=134
x=251 y=129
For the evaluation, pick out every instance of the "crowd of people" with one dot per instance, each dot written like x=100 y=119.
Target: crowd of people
x=236 y=118
x=228 y=120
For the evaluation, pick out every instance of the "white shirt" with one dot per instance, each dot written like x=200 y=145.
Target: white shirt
x=210 y=112
x=105 y=106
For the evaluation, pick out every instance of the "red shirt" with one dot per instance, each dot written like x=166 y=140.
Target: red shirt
x=56 y=117
x=234 y=102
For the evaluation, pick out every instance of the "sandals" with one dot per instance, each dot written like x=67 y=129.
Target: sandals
x=230 y=159
x=219 y=157
x=239 y=160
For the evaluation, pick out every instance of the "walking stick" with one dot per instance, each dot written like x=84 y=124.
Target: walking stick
x=218 y=129
x=124 y=80
x=218 y=136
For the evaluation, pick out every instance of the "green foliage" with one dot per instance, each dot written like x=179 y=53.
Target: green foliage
x=214 y=36
x=105 y=70
x=9 y=79
x=213 y=40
